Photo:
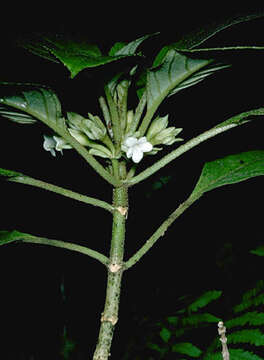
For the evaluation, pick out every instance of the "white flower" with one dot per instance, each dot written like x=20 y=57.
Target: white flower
x=49 y=144
x=136 y=147
x=52 y=143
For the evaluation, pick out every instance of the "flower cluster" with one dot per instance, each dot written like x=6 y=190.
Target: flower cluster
x=91 y=132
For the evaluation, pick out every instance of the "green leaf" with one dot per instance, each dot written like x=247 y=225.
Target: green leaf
x=194 y=320
x=204 y=299
x=78 y=55
x=251 y=318
x=11 y=236
x=9 y=173
x=16 y=116
x=251 y=293
x=240 y=354
x=258 y=251
x=229 y=170
x=235 y=354
x=174 y=70
x=36 y=102
x=173 y=320
x=156 y=347
x=165 y=334
x=247 y=336
x=130 y=48
x=200 y=35
x=187 y=349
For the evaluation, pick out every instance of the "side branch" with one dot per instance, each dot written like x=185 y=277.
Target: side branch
x=69 y=246
x=179 y=151
x=160 y=232
x=60 y=190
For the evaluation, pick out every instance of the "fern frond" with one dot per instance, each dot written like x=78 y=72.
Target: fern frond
x=195 y=320
x=253 y=292
x=235 y=354
x=187 y=349
x=256 y=301
x=240 y=354
x=204 y=299
x=248 y=336
x=251 y=318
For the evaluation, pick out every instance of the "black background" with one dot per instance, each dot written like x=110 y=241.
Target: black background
x=208 y=247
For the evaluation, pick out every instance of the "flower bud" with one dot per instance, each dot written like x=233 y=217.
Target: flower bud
x=167 y=136
x=100 y=150
x=93 y=127
x=130 y=118
x=157 y=125
x=75 y=120
x=79 y=136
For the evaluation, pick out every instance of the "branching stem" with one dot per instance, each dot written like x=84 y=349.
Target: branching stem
x=60 y=190
x=179 y=151
x=69 y=246
x=159 y=232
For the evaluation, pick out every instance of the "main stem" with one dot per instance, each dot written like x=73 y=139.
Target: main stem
x=109 y=316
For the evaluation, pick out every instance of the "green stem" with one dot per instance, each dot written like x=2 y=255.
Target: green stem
x=179 y=151
x=115 y=270
x=69 y=246
x=59 y=190
x=159 y=232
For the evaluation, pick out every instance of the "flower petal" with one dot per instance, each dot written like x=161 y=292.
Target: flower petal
x=147 y=146
x=129 y=152
x=130 y=141
x=61 y=143
x=49 y=143
x=137 y=155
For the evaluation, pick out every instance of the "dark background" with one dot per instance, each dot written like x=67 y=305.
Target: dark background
x=207 y=248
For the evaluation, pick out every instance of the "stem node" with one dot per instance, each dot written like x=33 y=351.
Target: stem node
x=114 y=268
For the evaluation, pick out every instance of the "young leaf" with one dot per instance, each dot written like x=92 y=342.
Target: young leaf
x=187 y=349
x=11 y=236
x=229 y=170
x=162 y=80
